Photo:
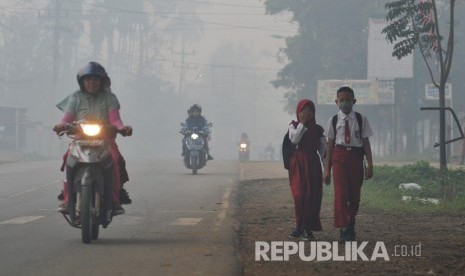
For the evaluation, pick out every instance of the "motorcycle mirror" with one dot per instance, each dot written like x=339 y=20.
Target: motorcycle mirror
x=183 y=124
x=210 y=124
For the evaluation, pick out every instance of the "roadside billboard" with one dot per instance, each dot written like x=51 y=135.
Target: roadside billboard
x=367 y=92
x=432 y=92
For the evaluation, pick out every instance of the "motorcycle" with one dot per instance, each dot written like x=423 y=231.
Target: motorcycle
x=269 y=155
x=195 y=154
x=89 y=177
x=244 y=151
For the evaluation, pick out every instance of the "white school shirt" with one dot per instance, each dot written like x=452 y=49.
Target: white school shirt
x=296 y=133
x=355 y=135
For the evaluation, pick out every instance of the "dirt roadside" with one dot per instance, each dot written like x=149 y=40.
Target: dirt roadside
x=415 y=245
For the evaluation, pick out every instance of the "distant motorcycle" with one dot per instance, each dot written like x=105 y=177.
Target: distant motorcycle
x=195 y=156
x=269 y=153
x=89 y=176
x=244 y=151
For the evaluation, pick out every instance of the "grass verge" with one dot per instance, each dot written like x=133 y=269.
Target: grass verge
x=382 y=193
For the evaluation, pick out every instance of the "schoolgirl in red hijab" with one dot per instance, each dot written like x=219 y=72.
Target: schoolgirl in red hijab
x=305 y=173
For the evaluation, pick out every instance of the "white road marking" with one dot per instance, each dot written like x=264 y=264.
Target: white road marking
x=186 y=221
x=32 y=189
x=21 y=220
x=224 y=208
x=241 y=172
x=188 y=211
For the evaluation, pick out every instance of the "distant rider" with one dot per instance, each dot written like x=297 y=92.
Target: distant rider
x=270 y=150
x=195 y=119
x=245 y=139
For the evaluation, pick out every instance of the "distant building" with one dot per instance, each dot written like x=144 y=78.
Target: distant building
x=13 y=124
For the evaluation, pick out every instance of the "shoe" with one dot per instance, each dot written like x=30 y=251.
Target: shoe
x=210 y=157
x=347 y=234
x=296 y=234
x=350 y=233
x=342 y=235
x=124 y=197
x=308 y=236
x=63 y=208
x=118 y=210
x=61 y=196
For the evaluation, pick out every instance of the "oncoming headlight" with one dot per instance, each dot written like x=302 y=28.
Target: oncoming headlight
x=91 y=129
x=243 y=145
x=195 y=136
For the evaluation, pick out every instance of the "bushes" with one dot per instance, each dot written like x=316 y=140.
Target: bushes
x=382 y=191
x=423 y=174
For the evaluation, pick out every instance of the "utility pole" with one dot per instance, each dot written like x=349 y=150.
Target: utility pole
x=55 y=17
x=184 y=66
x=56 y=44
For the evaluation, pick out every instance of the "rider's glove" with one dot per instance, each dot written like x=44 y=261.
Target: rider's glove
x=126 y=131
x=59 y=128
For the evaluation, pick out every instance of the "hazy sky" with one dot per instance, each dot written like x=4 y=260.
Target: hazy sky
x=251 y=104
x=244 y=24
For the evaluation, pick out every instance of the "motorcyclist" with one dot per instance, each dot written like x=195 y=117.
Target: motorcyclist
x=195 y=119
x=269 y=151
x=244 y=147
x=245 y=138
x=95 y=100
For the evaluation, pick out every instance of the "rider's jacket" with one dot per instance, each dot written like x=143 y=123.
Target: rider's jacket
x=82 y=105
x=199 y=122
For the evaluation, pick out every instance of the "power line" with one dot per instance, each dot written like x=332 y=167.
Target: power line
x=167 y=16
x=160 y=58
x=220 y=4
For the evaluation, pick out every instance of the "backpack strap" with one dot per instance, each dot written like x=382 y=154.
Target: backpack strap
x=334 y=126
x=359 y=121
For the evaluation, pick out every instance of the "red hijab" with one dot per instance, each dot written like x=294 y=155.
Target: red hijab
x=300 y=106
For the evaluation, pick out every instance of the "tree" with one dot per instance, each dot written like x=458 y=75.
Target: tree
x=415 y=24
x=330 y=43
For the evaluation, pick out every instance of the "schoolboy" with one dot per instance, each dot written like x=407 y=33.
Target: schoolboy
x=348 y=135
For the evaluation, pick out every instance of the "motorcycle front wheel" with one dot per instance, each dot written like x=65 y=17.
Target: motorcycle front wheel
x=89 y=223
x=194 y=164
x=95 y=219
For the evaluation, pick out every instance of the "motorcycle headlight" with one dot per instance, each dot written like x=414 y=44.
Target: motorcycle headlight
x=243 y=145
x=91 y=129
x=195 y=136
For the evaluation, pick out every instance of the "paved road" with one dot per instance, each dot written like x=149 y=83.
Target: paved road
x=178 y=224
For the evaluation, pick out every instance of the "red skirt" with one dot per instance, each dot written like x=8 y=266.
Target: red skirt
x=306 y=183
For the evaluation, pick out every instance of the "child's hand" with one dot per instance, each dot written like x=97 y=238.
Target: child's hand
x=368 y=172
x=327 y=177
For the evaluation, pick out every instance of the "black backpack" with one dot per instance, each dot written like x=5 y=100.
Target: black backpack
x=287 y=149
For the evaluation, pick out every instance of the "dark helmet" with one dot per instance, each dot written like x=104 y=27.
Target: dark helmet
x=195 y=107
x=94 y=69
